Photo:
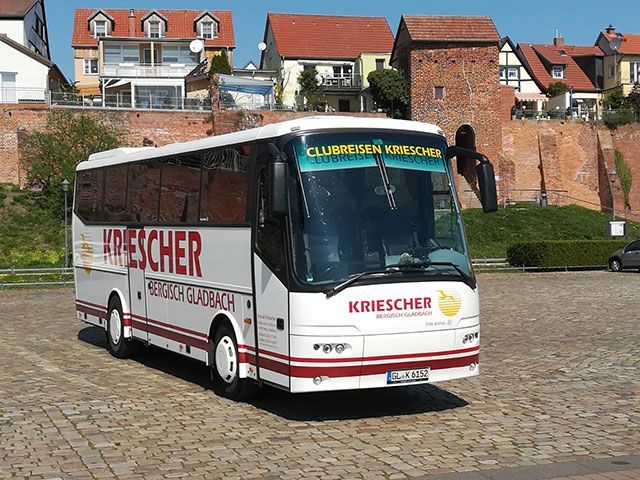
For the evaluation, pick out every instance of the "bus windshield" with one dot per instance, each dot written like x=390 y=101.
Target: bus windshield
x=365 y=201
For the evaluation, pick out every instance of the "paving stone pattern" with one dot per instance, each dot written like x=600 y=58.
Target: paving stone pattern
x=560 y=382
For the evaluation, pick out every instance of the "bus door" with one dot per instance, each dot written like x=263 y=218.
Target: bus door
x=271 y=294
x=137 y=287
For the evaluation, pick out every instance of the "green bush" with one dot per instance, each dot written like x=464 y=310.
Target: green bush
x=613 y=118
x=560 y=253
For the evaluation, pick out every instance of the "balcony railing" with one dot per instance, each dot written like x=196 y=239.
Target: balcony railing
x=135 y=70
x=341 y=83
x=125 y=102
x=23 y=95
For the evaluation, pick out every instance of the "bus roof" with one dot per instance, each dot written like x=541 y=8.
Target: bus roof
x=274 y=130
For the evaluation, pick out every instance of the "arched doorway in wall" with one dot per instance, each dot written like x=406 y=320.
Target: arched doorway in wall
x=466 y=138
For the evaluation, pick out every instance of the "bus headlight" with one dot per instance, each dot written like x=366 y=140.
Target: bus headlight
x=340 y=348
x=327 y=348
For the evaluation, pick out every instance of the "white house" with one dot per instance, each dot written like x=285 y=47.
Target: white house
x=515 y=73
x=343 y=50
x=26 y=71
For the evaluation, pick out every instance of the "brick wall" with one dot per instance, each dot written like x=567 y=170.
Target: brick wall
x=626 y=139
x=507 y=101
x=139 y=128
x=469 y=75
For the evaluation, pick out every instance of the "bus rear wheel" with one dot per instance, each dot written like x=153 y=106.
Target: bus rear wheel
x=225 y=367
x=117 y=344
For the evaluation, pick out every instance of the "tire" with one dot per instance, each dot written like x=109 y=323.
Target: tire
x=225 y=371
x=615 y=265
x=117 y=345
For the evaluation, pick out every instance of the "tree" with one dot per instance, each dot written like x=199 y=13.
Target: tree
x=50 y=156
x=220 y=64
x=389 y=89
x=633 y=99
x=309 y=86
x=557 y=88
x=615 y=101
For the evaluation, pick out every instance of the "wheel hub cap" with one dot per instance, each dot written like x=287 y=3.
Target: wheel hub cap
x=226 y=361
x=115 y=326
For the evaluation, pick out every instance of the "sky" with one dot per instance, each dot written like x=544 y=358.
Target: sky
x=578 y=21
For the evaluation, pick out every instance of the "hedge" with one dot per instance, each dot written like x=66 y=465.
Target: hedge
x=562 y=253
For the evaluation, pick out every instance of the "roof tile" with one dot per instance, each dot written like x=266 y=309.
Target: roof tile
x=451 y=28
x=16 y=8
x=329 y=36
x=537 y=55
x=180 y=24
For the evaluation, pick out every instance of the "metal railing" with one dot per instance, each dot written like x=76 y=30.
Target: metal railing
x=254 y=106
x=23 y=95
x=162 y=70
x=30 y=277
x=119 y=101
x=339 y=82
x=611 y=117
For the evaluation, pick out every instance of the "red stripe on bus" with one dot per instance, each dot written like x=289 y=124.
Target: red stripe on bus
x=177 y=337
x=382 y=357
x=90 y=311
x=363 y=359
x=162 y=324
x=363 y=370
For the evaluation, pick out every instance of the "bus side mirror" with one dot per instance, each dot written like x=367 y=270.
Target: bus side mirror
x=278 y=175
x=487 y=185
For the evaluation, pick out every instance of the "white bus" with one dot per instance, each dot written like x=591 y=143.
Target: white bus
x=323 y=253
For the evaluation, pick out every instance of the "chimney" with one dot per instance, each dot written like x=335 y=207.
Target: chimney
x=132 y=23
x=558 y=41
x=610 y=30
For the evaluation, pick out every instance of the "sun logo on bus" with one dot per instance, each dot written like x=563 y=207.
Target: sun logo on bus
x=86 y=254
x=449 y=302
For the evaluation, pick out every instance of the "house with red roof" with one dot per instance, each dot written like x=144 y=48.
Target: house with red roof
x=621 y=60
x=580 y=68
x=27 y=74
x=342 y=49
x=140 y=58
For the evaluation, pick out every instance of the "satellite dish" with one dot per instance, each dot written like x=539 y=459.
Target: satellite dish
x=196 y=46
x=262 y=46
x=615 y=44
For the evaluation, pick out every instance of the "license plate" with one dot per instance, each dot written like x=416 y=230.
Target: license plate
x=404 y=376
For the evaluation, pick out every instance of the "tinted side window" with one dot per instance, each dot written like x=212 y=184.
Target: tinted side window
x=269 y=228
x=89 y=186
x=180 y=192
x=144 y=191
x=225 y=181
x=115 y=193
x=633 y=246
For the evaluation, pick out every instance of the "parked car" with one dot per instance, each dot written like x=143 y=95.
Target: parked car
x=627 y=257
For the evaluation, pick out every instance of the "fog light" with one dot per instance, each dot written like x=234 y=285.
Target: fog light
x=473 y=366
x=316 y=346
x=339 y=348
x=317 y=380
x=465 y=339
x=327 y=348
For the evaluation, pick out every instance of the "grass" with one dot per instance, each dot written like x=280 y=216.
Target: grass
x=30 y=236
x=489 y=235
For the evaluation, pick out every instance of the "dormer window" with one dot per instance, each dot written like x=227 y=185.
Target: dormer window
x=154 y=24
x=100 y=28
x=207 y=29
x=154 y=29
x=557 y=71
x=207 y=25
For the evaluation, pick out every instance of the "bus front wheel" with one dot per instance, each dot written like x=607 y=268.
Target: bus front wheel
x=117 y=344
x=225 y=367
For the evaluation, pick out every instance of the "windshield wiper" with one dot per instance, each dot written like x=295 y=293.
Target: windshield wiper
x=417 y=266
x=351 y=280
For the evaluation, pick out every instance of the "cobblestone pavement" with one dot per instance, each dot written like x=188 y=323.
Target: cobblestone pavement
x=560 y=382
